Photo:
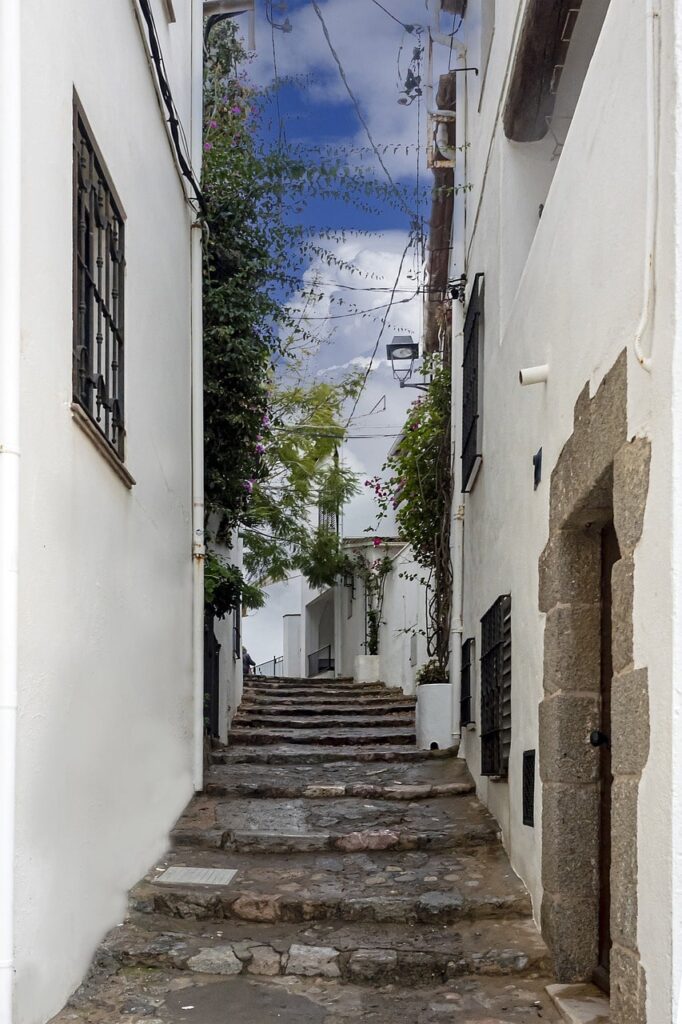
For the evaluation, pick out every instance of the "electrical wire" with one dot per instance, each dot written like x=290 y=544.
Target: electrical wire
x=360 y=312
x=361 y=116
x=407 y=27
x=407 y=248
x=180 y=144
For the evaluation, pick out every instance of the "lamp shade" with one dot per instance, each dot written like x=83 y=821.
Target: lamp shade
x=402 y=349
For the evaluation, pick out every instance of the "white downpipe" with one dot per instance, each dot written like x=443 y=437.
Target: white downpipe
x=456 y=530
x=197 y=358
x=653 y=94
x=10 y=347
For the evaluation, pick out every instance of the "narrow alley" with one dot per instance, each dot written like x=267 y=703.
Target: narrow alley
x=330 y=872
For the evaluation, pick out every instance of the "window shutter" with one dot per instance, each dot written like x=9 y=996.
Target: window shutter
x=471 y=383
x=466 y=712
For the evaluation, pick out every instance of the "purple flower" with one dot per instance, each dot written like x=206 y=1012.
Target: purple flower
x=248 y=486
x=260 y=449
x=213 y=124
x=266 y=420
x=235 y=110
x=208 y=146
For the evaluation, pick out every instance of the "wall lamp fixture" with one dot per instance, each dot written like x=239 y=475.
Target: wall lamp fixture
x=402 y=354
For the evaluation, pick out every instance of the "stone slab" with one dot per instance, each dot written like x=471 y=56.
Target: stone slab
x=580 y=1004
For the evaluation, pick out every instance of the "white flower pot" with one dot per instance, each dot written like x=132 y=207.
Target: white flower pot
x=367 y=668
x=434 y=716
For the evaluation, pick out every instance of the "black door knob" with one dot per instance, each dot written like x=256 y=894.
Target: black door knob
x=599 y=739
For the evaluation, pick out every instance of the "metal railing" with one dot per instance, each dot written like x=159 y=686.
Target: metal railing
x=273 y=667
x=321 y=661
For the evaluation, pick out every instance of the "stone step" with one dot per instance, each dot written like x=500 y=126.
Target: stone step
x=328 y=737
x=266 y=825
x=344 y=692
x=298 y=754
x=377 y=887
x=328 y=706
x=363 y=954
x=252 y=719
x=172 y=997
x=304 y=680
x=392 y=781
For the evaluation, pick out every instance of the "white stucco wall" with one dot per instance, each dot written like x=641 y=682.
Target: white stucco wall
x=567 y=289
x=105 y=694
x=402 y=644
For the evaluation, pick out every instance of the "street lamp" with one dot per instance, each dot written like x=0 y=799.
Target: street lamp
x=402 y=353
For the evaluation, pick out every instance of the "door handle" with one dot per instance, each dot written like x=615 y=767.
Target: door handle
x=599 y=739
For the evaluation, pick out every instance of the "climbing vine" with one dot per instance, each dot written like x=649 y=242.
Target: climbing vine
x=418 y=486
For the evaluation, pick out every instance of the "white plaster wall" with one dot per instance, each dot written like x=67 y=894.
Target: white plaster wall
x=403 y=616
x=105 y=696
x=291 y=630
x=231 y=668
x=567 y=290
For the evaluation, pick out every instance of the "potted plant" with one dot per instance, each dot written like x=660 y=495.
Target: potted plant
x=434 y=707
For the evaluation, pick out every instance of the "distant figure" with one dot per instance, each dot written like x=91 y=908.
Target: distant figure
x=248 y=662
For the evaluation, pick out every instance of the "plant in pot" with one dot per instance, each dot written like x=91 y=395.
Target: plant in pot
x=433 y=672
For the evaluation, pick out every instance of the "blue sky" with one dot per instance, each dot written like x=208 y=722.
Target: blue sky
x=372 y=48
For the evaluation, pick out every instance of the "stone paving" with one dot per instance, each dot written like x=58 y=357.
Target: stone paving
x=370 y=884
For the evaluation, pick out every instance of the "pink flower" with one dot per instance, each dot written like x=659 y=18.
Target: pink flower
x=213 y=124
x=377 y=542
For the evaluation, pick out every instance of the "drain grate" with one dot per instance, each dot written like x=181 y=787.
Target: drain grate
x=195 y=876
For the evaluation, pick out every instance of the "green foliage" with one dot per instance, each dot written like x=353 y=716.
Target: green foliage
x=226 y=589
x=432 y=672
x=269 y=437
x=419 y=488
x=322 y=559
x=373 y=575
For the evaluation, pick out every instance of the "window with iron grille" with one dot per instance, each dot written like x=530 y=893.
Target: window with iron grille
x=496 y=683
x=529 y=788
x=328 y=520
x=466 y=716
x=99 y=272
x=471 y=383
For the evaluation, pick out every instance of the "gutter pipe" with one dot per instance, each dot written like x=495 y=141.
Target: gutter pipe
x=197 y=387
x=10 y=349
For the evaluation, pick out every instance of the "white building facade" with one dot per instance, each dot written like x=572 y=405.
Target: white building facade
x=100 y=473
x=564 y=265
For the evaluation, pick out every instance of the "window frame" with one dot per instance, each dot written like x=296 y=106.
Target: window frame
x=83 y=411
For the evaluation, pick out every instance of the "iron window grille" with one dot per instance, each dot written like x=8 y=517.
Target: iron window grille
x=471 y=383
x=328 y=520
x=466 y=716
x=529 y=788
x=496 y=684
x=99 y=281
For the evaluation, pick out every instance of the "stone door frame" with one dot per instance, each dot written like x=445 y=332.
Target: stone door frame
x=599 y=476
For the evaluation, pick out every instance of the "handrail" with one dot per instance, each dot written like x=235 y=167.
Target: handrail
x=321 y=661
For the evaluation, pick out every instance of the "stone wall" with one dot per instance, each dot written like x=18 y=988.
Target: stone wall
x=600 y=476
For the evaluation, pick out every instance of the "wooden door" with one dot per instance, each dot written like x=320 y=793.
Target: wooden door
x=610 y=555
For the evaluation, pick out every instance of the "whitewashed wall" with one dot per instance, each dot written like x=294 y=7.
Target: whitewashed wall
x=402 y=645
x=231 y=668
x=568 y=289
x=105 y=698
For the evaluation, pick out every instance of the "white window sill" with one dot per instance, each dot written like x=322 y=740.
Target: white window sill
x=90 y=430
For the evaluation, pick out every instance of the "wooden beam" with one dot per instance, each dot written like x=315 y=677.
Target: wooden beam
x=540 y=56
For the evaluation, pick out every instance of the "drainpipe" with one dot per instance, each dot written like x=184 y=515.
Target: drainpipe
x=10 y=348
x=456 y=529
x=197 y=372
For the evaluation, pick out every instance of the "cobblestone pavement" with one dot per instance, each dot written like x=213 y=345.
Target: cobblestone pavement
x=370 y=884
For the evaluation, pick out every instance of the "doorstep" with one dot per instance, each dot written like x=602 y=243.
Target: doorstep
x=580 y=1004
